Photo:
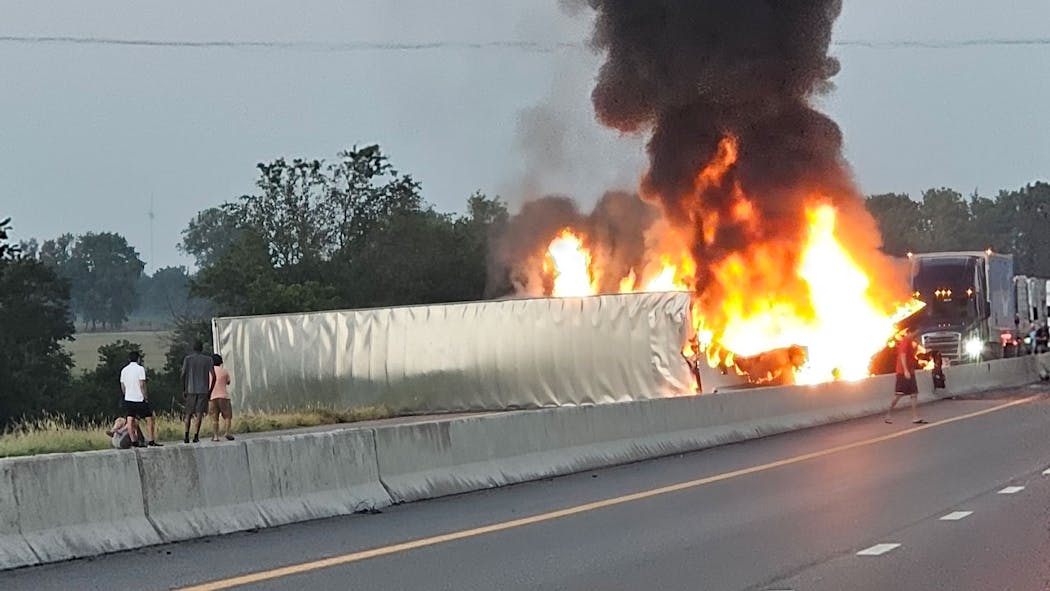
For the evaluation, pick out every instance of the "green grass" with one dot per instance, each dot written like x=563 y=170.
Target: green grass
x=85 y=348
x=56 y=434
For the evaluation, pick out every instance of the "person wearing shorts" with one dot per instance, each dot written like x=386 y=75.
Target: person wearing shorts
x=906 y=384
x=198 y=379
x=220 y=400
x=136 y=401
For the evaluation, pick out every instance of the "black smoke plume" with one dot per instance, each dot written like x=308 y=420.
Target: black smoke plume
x=692 y=72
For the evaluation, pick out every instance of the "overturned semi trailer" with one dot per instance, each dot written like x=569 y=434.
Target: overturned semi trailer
x=493 y=355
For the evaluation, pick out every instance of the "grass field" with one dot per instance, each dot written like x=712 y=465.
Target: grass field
x=53 y=435
x=85 y=348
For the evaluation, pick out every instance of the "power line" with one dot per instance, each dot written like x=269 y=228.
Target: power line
x=513 y=45
x=953 y=44
x=530 y=46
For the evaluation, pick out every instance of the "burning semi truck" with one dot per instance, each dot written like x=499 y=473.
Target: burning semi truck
x=970 y=307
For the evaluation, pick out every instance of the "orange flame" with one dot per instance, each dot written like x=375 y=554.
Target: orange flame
x=570 y=264
x=837 y=320
x=769 y=296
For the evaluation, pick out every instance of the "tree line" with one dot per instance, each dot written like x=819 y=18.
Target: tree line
x=1014 y=222
x=350 y=233
x=346 y=234
x=314 y=235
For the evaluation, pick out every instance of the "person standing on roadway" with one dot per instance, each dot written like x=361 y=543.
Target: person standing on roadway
x=906 y=384
x=198 y=380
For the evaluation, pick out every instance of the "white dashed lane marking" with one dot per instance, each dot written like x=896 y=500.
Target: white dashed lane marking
x=878 y=549
x=956 y=515
x=1011 y=490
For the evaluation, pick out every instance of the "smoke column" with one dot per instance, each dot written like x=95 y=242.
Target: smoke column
x=691 y=72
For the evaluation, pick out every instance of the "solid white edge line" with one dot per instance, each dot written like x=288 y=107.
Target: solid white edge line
x=878 y=549
x=956 y=515
x=1011 y=490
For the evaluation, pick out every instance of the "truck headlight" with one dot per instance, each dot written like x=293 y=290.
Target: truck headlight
x=974 y=347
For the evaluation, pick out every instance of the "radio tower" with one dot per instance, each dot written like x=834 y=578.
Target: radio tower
x=151 y=217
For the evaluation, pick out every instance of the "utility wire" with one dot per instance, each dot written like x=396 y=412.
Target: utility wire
x=524 y=46
x=529 y=46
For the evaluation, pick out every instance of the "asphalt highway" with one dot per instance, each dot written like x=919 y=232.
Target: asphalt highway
x=961 y=504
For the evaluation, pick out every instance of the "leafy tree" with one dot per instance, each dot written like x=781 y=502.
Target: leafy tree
x=365 y=191
x=165 y=293
x=947 y=224
x=57 y=253
x=992 y=224
x=188 y=330
x=290 y=212
x=1014 y=222
x=1027 y=234
x=95 y=395
x=353 y=233
x=34 y=320
x=486 y=220
x=29 y=248
x=211 y=233
x=104 y=271
x=6 y=248
x=426 y=257
x=899 y=221
x=245 y=281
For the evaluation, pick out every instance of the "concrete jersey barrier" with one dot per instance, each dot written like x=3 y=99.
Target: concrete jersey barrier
x=79 y=504
x=1001 y=373
x=426 y=460
x=191 y=492
x=315 y=475
x=14 y=549
x=61 y=506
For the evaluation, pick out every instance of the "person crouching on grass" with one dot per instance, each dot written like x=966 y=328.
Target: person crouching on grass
x=136 y=401
x=906 y=384
x=119 y=436
x=220 y=400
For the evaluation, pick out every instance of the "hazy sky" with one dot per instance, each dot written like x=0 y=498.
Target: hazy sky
x=90 y=132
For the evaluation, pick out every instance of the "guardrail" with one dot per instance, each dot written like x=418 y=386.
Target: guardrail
x=61 y=506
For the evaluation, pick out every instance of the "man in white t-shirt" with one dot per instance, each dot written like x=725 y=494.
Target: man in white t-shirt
x=136 y=400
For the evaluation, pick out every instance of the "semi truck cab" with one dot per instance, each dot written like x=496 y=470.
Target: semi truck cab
x=969 y=303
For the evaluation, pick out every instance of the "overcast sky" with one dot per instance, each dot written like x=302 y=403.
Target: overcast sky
x=90 y=132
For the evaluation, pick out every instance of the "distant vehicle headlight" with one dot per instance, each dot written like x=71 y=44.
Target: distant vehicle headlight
x=974 y=347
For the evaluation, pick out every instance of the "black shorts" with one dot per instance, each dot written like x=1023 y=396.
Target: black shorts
x=197 y=404
x=906 y=385
x=138 y=410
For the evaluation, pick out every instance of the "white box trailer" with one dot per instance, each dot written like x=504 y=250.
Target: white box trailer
x=1037 y=300
x=494 y=355
x=1022 y=301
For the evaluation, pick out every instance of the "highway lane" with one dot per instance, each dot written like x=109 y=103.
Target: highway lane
x=794 y=522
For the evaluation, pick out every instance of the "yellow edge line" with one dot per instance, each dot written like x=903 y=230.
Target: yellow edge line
x=542 y=517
